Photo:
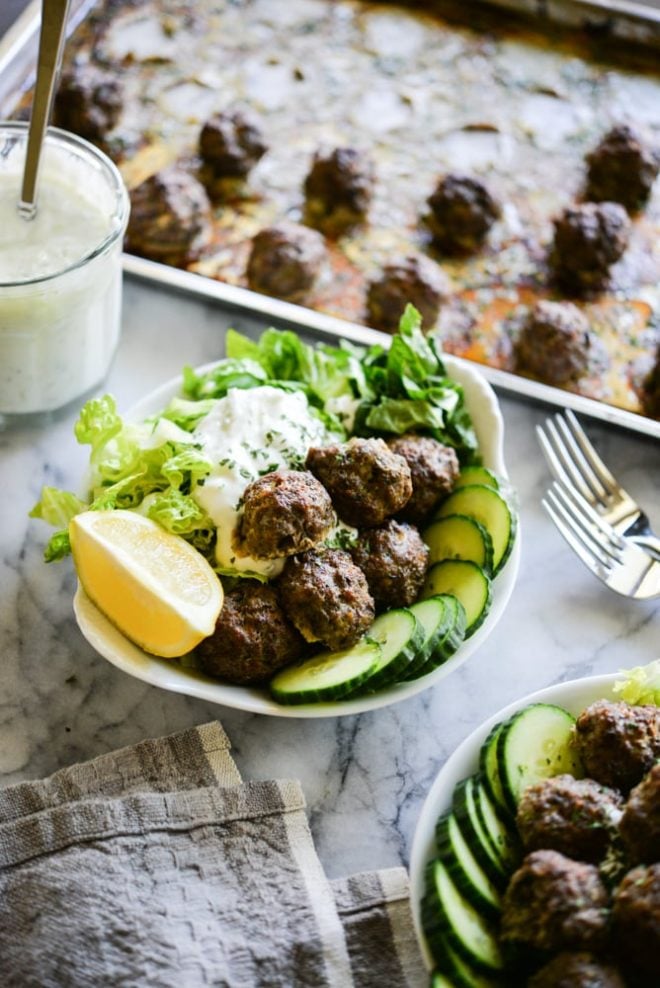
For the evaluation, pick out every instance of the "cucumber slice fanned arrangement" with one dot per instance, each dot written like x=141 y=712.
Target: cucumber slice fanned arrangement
x=436 y=618
x=327 y=676
x=400 y=636
x=450 y=921
x=489 y=507
x=469 y=539
x=489 y=771
x=478 y=475
x=477 y=845
x=463 y=975
x=464 y=869
x=447 y=636
x=466 y=581
x=464 y=806
x=420 y=637
x=535 y=744
x=459 y=537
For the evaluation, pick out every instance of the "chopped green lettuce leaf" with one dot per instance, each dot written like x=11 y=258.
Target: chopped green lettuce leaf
x=57 y=507
x=186 y=468
x=186 y=413
x=59 y=546
x=228 y=373
x=640 y=685
x=97 y=423
x=403 y=415
x=180 y=514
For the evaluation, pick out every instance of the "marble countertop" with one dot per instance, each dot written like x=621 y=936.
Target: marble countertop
x=365 y=777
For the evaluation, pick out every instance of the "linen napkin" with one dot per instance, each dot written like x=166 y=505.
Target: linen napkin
x=155 y=865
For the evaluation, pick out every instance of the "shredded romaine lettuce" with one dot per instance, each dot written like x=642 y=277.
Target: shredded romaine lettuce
x=97 y=423
x=57 y=508
x=641 y=684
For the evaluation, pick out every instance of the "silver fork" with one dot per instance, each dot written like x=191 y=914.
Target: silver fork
x=574 y=461
x=621 y=565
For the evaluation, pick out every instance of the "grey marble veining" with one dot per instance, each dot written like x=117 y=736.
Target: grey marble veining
x=365 y=777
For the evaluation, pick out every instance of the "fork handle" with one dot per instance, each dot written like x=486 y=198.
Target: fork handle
x=650 y=543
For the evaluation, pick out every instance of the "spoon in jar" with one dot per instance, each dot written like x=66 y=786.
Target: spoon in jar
x=51 y=43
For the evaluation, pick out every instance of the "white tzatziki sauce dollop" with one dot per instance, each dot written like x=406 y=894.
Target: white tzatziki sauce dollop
x=247 y=434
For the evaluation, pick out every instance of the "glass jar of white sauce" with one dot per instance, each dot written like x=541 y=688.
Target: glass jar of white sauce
x=60 y=273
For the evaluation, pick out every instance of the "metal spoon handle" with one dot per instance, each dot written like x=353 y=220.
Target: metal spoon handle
x=51 y=43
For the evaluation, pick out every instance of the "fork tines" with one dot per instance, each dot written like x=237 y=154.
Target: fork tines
x=582 y=527
x=620 y=564
x=573 y=459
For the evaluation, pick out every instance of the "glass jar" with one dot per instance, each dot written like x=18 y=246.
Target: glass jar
x=60 y=273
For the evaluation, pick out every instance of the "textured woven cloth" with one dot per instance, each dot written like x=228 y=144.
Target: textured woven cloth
x=157 y=866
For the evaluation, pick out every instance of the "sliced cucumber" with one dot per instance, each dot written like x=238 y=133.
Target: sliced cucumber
x=400 y=636
x=491 y=509
x=465 y=810
x=490 y=772
x=477 y=475
x=435 y=618
x=449 y=919
x=463 y=975
x=449 y=638
x=439 y=981
x=464 y=869
x=459 y=537
x=534 y=744
x=465 y=580
x=327 y=676
x=503 y=837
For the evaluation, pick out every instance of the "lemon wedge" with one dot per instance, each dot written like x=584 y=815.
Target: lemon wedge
x=155 y=587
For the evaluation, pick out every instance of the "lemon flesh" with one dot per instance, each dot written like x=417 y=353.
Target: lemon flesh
x=155 y=587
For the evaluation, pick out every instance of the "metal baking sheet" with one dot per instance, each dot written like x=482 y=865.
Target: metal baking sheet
x=16 y=66
x=284 y=314
x=637 y=22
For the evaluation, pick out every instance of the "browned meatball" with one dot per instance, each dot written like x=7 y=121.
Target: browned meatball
x=462 y=211
x=326 y=597
x=588 y=240
x=170 y=217
x=252 y=637
x=636 y=923
x=640 y=823
x=284 y=512
x=576 y=970
x=622 y=169
x=285 y=261
x=366 y=480
x=555 y=343
x=554 y=903
x=413 y=279
x=230 y=144
x=618 y=743
x=88 y=102
x=338 y=190
x=434 y=469
x=577 y=817
x=394 y=559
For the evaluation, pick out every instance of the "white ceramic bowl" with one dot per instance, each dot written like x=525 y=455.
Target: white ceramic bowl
x=109 y=642
x=574 y=696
